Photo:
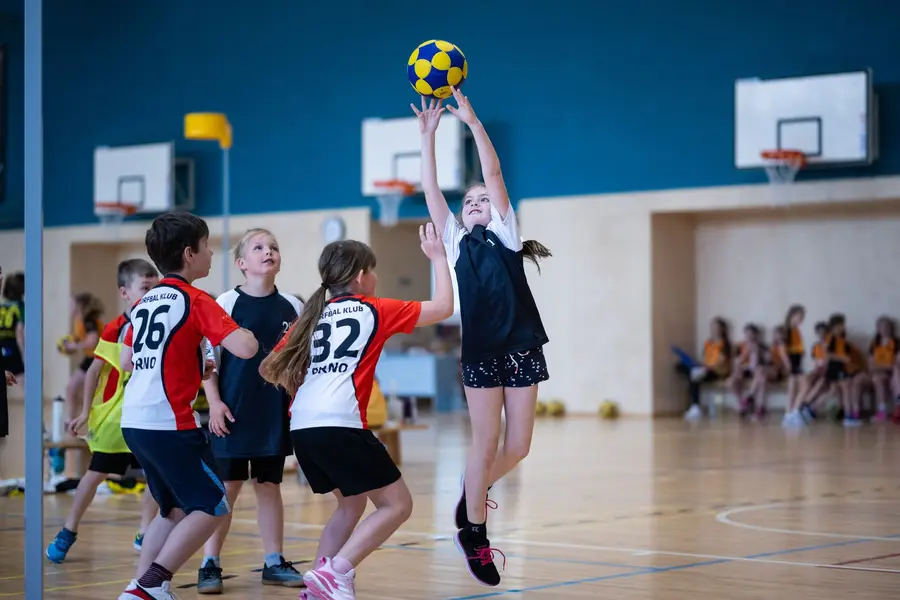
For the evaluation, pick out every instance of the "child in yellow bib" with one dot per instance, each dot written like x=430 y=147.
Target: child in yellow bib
x=102 y=412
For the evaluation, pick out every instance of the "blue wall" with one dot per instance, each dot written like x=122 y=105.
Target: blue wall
x=578 y=98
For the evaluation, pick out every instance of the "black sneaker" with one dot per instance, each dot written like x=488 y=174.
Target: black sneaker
x=462 y=515
x=284 y=575
x=209 y=579
x=473 y=543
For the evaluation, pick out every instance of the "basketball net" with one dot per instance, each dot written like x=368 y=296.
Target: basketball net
x=782 y=167
x=390 y=197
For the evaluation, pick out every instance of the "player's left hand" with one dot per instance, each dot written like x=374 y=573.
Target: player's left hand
x=209 y=369
x=219 y=416
x=11 y=379
x=432 y=244
x=463 y=110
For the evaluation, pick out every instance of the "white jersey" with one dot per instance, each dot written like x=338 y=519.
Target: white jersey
x=346 y=346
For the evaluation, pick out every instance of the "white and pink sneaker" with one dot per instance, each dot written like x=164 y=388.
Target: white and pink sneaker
x=324 y=583
x=134 y=591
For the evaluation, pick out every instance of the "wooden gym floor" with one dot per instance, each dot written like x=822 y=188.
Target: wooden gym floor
x=631 y=510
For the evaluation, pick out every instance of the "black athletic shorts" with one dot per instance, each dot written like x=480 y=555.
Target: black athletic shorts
x=180 y=470
x=264 y=469
x=86 y=363
x=351 y=460
x=518 y=369
x=117 y=464
x=835 y=371
x=796 y=363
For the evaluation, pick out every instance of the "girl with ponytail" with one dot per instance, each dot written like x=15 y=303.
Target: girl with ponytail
x=327 y=362
x=502 y=334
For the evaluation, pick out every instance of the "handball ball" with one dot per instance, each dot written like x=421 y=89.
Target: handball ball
x=435 y=66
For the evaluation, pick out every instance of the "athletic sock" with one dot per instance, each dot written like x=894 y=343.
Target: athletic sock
x=154 y=577
x=274 y=559
x=214 y=559
x=341 y=565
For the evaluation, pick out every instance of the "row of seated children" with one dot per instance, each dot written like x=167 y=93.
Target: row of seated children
x=840 y=368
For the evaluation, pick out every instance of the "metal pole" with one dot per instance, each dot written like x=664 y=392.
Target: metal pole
x=34 y=291
x=226 y=217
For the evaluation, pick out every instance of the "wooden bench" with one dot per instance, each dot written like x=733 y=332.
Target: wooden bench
x=84 y=454
x=716 y=396
x=389 y=434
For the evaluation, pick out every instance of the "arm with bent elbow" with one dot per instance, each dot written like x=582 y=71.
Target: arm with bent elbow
x=440 y=307
x=242 y=343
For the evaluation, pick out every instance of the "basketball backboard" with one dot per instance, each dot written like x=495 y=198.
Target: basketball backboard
x=391 y=149
x=832 y=119
x=147 y=177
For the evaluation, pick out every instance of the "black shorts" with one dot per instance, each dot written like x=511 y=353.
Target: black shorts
x=86 y=363
x=117 y=464
x=796 y=363
x=835 y=371
x=353 y=461
x=519 y=369
x=264 y=469
x=180 y=470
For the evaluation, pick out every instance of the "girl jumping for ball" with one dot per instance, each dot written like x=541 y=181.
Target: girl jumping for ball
x=327 y=361
x=502 y=333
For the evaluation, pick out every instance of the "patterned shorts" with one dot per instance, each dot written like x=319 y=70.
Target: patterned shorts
x=519 y=369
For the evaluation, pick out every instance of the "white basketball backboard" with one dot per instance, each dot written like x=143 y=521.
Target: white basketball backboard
x=391 y=149
x=831 y=118
x=142 y=176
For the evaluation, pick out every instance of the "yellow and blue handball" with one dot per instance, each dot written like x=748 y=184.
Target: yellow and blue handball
x=435 y=66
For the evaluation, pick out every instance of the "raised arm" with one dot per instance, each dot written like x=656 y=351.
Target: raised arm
x=490 y=163
x=440 y=307
x=429 y=118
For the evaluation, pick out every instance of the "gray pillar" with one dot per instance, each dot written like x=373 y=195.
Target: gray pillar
x=34 y=292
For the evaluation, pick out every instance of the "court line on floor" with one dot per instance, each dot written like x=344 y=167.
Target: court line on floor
x=869 y=559
x=758 y=558
x=694 y=565
x=724 y=517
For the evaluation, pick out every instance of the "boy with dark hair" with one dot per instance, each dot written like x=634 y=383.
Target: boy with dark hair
x=163 y=351
x=102 y=412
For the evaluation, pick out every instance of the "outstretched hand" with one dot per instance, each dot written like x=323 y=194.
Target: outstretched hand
x=432 y=244
x=430 y=115
x=463 y=110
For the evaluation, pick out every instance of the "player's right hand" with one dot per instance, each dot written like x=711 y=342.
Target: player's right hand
x=219 y=415
x=430 y=115
x=432 y=244
x=77 y=423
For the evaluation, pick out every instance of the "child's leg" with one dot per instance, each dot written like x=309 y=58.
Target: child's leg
x=155 y=538
x=759 y=388
x=84 y=494
x=519 y=405
x=393 y=506
x=340 y=526
x=213 y=546
x=149 y=508
x=485 y=406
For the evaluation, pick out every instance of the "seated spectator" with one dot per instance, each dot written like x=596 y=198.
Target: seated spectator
x=715 y=366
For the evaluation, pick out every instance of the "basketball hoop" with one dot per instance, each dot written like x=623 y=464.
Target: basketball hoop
x=113 y=213
x=390 y=196
x=782 y=167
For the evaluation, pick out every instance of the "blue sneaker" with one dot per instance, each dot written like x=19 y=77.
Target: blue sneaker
x=138 y=541
x=59 y=547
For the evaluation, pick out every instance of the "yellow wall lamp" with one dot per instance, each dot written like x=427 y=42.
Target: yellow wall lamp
x=215 y=127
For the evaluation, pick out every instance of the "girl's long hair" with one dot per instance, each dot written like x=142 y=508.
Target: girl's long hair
x=722 y=326
x=793 y=310
x=340 y=263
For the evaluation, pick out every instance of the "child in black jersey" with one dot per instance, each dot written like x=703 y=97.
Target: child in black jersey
x=502 y=333
x=248 y=416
